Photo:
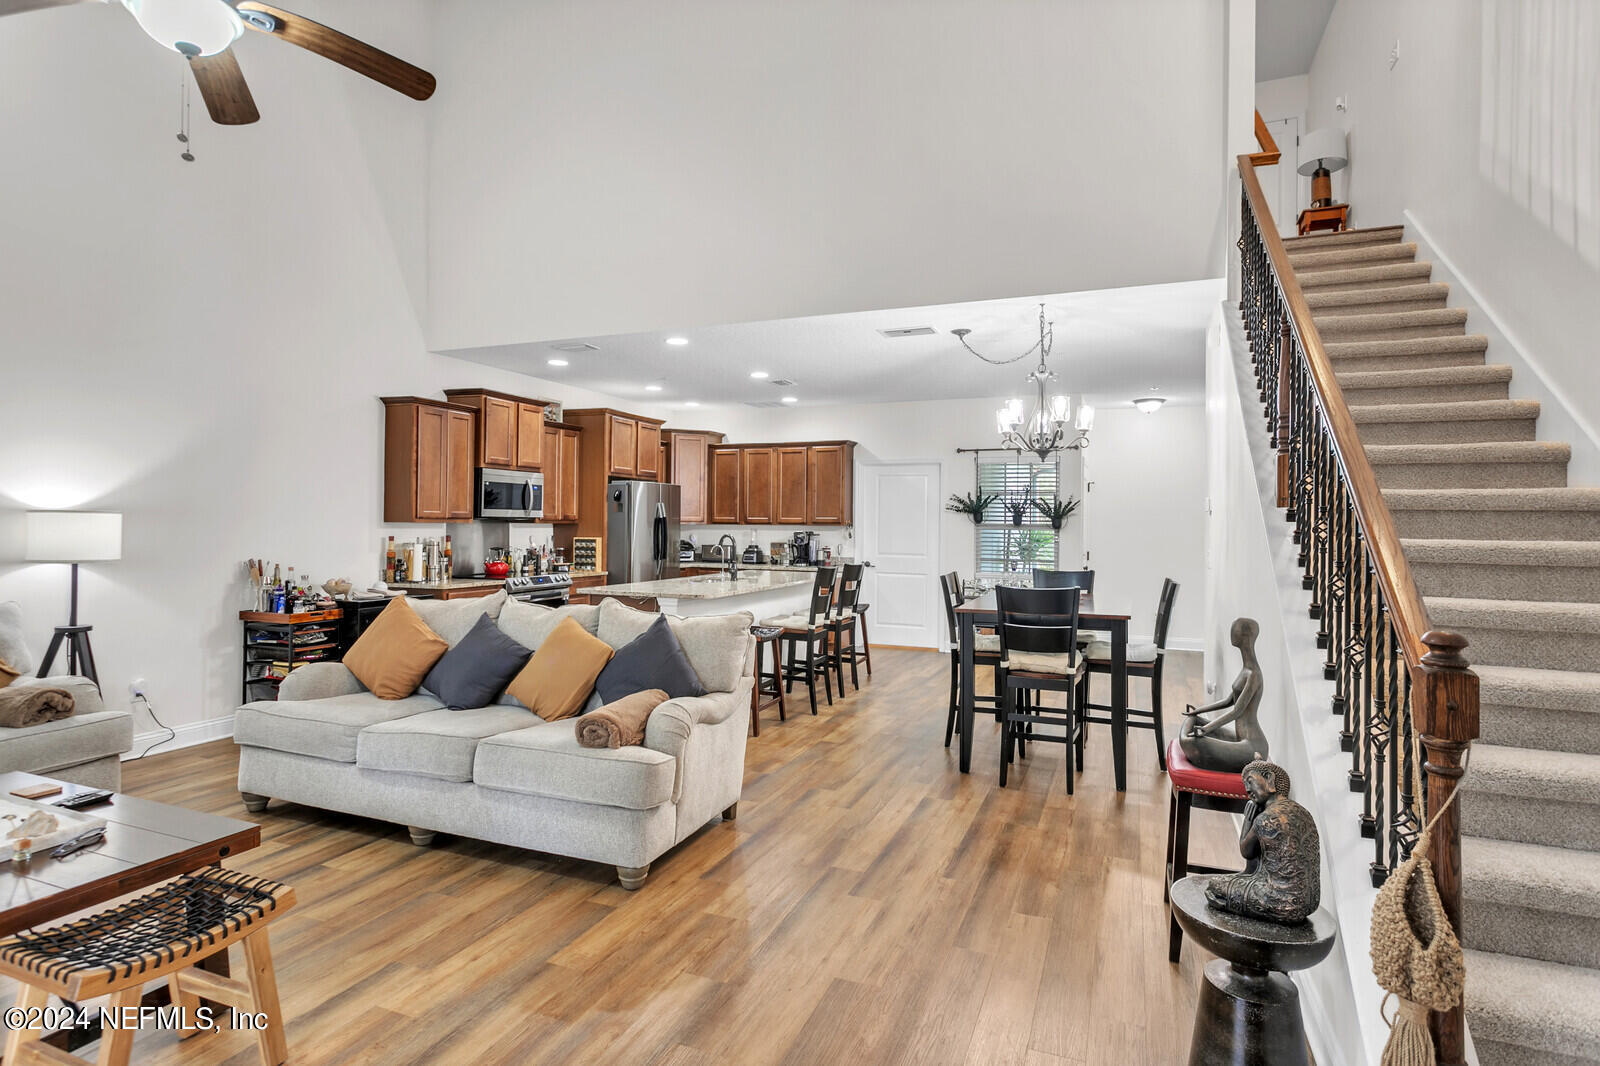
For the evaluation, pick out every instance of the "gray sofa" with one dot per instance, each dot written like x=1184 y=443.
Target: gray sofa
x=500 y=773
x=86 y=748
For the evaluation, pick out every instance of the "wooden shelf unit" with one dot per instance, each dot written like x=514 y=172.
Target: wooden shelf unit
x=270 y=638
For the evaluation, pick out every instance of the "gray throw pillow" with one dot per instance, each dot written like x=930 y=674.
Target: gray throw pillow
x=477 y=670
x=653 y=659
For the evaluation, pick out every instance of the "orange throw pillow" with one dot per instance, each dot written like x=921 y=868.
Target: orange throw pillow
x=7 y=673
x=395 y=652
x=558 y=679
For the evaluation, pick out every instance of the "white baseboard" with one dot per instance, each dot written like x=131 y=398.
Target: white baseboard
x=1185 y=644
x=184 y=736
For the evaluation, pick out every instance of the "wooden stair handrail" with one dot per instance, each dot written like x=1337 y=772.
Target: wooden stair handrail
x=1383 y=540
x=1269 y=153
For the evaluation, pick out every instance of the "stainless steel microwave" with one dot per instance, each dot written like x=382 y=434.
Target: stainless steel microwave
x=514 y=495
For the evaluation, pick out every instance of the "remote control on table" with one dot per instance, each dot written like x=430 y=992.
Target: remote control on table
x=79 y=800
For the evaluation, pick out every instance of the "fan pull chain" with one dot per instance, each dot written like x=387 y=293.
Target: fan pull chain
x=183 y=117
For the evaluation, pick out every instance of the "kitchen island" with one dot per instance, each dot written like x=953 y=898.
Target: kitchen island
x=763 y=593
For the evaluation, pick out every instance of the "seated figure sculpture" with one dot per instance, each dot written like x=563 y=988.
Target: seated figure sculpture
x=1282 y=879
x=1226 y=735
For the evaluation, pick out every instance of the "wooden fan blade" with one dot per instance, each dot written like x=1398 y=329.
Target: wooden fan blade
x=223 y=86
x=343 y=49
x=16 y=7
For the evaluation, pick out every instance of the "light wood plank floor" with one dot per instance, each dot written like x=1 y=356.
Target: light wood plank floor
x=869 y=905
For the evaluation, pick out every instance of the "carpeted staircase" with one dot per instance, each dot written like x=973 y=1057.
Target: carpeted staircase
x=1506 y=554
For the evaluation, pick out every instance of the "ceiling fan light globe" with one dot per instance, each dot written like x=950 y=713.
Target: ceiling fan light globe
x=189 y=27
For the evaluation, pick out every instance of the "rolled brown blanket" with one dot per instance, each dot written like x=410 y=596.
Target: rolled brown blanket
x=619 y=722
x=25 y=705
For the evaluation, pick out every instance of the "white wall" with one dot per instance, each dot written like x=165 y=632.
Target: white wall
x=1283 y=97
x=1488 y=131
x=201 y=346
x=625 y=165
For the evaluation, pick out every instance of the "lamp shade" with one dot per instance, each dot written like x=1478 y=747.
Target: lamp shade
x=1322 y=148
x=73 y=536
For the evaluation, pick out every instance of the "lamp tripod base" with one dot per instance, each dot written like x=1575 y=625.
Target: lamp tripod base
x=80 y=657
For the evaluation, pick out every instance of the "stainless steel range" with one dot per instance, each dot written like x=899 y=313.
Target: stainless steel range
x=549 y=590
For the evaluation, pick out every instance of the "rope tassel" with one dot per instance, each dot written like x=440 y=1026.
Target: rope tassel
x=1410 y=1043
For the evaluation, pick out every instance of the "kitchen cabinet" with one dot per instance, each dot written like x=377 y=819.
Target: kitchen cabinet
x=830 y=477
x=648 y=467
x=568 y=475
x=723 y=480
x=793 y=502
x=510 y=430
x=629 y=446
x=428 y=457
x=760 y=493
x=688 y=466
x=623 y=445
x=554 y=498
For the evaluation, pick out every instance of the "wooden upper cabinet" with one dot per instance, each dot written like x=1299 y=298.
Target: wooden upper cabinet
x=648 y=464
x=624 y=450
x=760 y=473
x=499 y=435
x=664 y=471
x=550 y=445
x=530 y=436
x=830 y=476
x=428 y=457
x=723 y=484
x=568 y=475
x=793 y=504
x=691 y=454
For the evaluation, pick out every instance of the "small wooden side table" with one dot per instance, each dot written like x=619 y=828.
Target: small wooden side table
x=1332 y=218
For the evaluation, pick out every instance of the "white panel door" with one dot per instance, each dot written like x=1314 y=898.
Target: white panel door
x=1282 y=186
x=898 y=510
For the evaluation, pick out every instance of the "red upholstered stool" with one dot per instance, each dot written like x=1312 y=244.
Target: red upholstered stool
x=1192 y=787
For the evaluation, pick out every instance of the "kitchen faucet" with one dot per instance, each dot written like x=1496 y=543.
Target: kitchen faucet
x=730 y=562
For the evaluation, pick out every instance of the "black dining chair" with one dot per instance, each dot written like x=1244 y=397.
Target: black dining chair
x=985 y=652
x=1038 y=631
x=1144 y=659
x=809 y=628
x=1064 y=579
x=842 y=625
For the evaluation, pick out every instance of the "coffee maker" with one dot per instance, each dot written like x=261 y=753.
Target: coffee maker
x=807 y=546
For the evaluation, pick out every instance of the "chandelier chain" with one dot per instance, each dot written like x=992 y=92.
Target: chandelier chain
x=1042 y=345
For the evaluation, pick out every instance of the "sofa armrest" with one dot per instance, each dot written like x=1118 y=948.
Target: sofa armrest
x=669 y=725
x=318 y=681
x=86 y=698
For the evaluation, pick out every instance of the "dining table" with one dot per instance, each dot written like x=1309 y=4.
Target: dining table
x=980 y=611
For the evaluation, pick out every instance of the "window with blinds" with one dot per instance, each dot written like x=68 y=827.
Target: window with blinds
x=1007 y=548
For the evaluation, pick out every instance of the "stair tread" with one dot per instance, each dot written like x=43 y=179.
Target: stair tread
x=1322 y=301
x=1465 y=342
x=1510 y=451
x=1355 y=235
x=1527 y=686
x=1503 y=552
x=1534 y=773
x=1446 y=411
x=1528 y=1002
x=1535 y=876
x=1433 y=375
x=1392 y=320
x=1372 y=275
x=1356 y=253
x=1514 y=614
x=1529 y=499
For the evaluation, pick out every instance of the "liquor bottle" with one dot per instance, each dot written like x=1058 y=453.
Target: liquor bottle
x=388 y=563
x=449 y=558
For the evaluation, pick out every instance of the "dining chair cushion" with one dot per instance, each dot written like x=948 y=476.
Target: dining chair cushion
x=1139 y=651
x=983 y=644
x=1042 y=662
x=792 y=621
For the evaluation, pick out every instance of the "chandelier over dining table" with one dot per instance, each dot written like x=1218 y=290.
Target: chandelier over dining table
x=1049 y=428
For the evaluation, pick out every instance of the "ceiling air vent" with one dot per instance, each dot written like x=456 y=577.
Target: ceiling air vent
x=909 y=331
x=762 y=403
x=578 y=346
x=784 y=382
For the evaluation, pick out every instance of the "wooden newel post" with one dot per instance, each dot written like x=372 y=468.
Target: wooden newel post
x=1445 y=703
x=1281 y=429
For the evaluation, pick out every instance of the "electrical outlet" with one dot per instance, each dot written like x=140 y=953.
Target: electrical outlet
x=136 y=688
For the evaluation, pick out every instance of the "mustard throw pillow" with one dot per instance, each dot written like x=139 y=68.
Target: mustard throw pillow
x=558 y=679
x=395 y=652
x=8 y=673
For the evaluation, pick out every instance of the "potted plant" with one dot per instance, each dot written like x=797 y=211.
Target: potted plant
x=1018 y=508
x=1055 y=510
x=973 y=505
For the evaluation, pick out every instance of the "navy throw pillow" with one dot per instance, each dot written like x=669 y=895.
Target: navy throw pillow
x=477 y=670
x=653 y=659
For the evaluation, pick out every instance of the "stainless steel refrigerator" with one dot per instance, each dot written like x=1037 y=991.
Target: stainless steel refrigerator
x=641 y=531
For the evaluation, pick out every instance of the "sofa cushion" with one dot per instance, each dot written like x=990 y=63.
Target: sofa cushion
x=324 y=729
x=66 y=742
x=547 y=760
x=560 y=676
x=529 y=624
x=476 y=671
x=438 y=743
x=717 y=645
x=12 y=647
x=454 y=619
x=652 y=660
x=395 y=652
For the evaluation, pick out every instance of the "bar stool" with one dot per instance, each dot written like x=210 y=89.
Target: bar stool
x=1038 y=631
x=843 y=624
x=985 y=652
x=767 y=684
x=1144 y=659
x=1192 y=788
x=162 y=933
x=866 y=645
x=809 y=628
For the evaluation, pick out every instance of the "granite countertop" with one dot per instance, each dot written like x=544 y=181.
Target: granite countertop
x=705 y=587
x=453 y=583
x=586 y=573
x=805 y=568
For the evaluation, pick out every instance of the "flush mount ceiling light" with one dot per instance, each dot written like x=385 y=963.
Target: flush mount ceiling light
x=759 y=375
x=1149 y=404
x=1047 y=430
x=677 y=342
x=556 y=362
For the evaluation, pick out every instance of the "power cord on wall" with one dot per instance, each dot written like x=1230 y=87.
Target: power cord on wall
x=171 y=733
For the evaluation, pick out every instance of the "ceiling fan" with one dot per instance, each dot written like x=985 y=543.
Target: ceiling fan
x=203 y=31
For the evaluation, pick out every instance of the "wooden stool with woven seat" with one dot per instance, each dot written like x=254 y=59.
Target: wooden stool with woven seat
x=842 y=625
x=986 y=652
x=1144 y=659
x=160 y=934
x=1192 y=787
x=767 y=684
x=809 y=628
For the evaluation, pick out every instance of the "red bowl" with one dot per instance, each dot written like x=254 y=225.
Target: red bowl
x=499 y=569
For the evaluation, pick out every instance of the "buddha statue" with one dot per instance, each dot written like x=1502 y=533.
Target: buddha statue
x=1282 y=879
x=1226 y=735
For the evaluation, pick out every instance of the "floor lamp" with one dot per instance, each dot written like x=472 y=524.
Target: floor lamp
x=73 y=537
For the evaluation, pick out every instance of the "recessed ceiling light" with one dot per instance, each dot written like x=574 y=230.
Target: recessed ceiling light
x=556 y=362
x=652 y=388
x=677 y=342
x=759 y=375
x=791 y=399
x=691 y=403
